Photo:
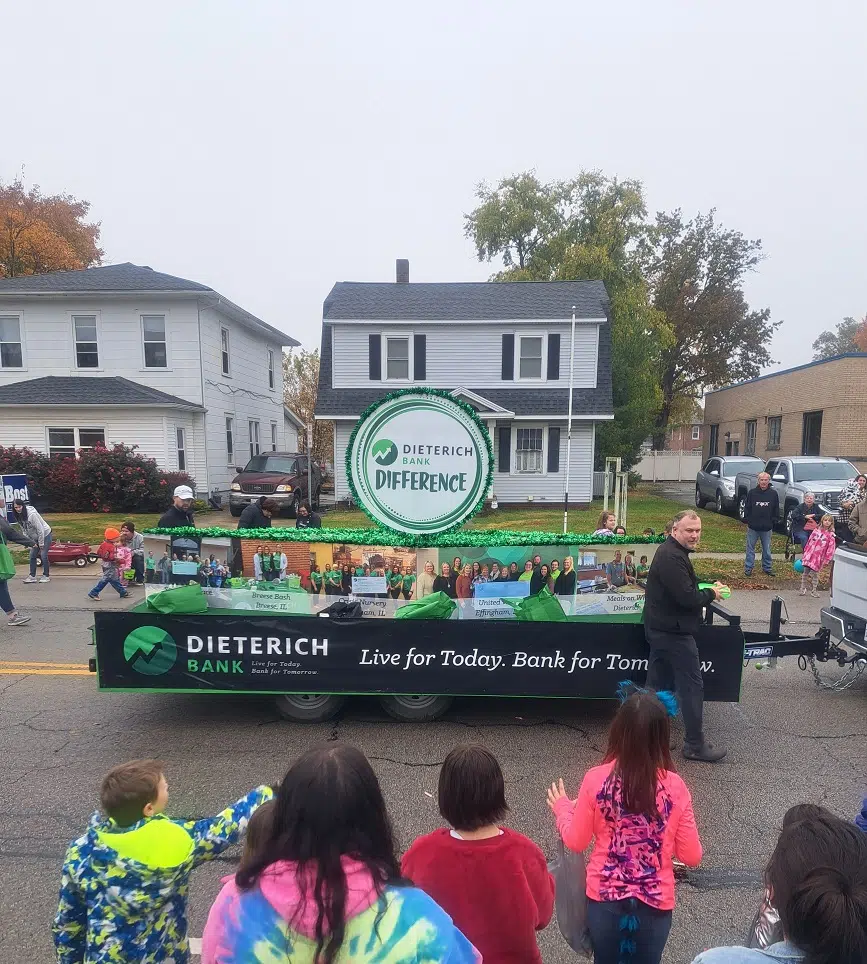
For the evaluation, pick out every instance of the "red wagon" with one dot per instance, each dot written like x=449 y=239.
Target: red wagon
x=78 y=553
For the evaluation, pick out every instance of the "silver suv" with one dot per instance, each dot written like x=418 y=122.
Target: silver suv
x=715 y=481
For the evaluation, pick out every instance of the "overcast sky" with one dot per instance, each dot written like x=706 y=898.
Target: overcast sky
x=270 y=149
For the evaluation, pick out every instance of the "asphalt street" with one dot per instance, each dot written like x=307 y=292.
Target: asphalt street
x=789 y=742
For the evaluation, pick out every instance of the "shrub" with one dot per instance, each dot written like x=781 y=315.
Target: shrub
x=60 y=488
x=118 y=479
x=35 y=465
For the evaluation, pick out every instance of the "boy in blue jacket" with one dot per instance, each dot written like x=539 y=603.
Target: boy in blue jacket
x=123 y=894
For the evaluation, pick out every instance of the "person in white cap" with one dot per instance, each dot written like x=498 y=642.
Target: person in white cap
x=180 y=513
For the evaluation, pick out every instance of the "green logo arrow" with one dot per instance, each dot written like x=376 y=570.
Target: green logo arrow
x=150 y=651
x=384 y=452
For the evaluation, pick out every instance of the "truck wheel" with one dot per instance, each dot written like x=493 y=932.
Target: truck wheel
x=81 y=561
x=416 y=709
x=699 y=498
x=309 y=707
x=787 y=518
x=742 y=507
x=235 y=510
x=296 y=501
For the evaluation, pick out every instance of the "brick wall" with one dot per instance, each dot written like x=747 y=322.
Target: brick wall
x=681 y=440
x=837 y=388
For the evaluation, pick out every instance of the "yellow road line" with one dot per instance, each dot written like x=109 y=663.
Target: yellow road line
x=24 y=671
x=40 y=662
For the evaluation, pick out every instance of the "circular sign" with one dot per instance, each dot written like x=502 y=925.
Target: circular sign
x=420 y=461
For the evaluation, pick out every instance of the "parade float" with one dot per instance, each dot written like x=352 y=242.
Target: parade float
x=314 y=615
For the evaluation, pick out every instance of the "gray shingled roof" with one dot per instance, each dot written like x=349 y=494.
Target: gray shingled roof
x=351 y=301
x=84 y=390
x=110 y=277
x=332 y=402
x=127 y=277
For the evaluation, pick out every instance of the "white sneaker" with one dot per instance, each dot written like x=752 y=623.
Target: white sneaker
x=19 y=620
x=29 y=579
x=45 y=578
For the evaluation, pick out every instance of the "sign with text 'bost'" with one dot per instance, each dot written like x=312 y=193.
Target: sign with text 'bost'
x=419 y=461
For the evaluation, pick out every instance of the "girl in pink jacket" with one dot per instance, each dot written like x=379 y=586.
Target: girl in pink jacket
x=818 y=552
x=639 y=813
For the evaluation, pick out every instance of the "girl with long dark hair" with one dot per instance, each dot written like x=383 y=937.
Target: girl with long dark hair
x=326 y=883
x=640 y=813
x=817 y=875
x=39 y=532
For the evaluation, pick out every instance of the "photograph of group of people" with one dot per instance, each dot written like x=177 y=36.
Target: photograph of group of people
x=384 y=572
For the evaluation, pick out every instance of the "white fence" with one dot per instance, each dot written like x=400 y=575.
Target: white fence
x=669 y=466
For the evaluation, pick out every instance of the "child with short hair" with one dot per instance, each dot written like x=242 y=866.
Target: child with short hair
x=107 y=553
x=123 y=895
x=492 y=881
x=818 y=552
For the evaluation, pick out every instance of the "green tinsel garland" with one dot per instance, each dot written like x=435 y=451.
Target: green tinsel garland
x=441 y=393
x=481 y=538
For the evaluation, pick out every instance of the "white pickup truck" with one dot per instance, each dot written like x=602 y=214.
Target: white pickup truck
x=846 y=617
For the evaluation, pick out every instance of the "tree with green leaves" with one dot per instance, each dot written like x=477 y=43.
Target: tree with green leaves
x=300 y=386
x=840 y=340
x=695 y=271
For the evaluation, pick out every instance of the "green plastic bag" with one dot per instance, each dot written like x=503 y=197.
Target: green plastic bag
x=725 y=592
x=436 y=606
x=7 y=563
x=544 y=607
x=184 y=600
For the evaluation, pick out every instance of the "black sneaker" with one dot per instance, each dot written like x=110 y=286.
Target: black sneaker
x=707 y=753
x=748 y=575
x=770 y=575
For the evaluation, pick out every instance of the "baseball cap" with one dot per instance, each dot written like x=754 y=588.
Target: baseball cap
x=183 y=492
x=111 y=533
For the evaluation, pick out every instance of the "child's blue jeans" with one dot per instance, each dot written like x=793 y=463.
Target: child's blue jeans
x=108 y=579
x=646 y=942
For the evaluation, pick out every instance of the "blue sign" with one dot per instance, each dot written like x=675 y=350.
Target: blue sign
x=14 y=487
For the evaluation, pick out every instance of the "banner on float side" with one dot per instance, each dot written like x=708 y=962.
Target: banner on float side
x=249 y=653
x=591 y=582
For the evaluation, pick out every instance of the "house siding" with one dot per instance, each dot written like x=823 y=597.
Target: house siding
x=467 y=354
x=244 y=394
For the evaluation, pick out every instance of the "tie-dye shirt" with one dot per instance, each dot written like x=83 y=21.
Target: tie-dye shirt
x=632 y=854
x=272 y=923
x=123 y=895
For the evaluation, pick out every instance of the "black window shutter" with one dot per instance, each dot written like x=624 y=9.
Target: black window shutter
x=553 y=444
x=504 y=458
x=419 y=357
x=553 y=358
x=374 y=355
x=508 y=358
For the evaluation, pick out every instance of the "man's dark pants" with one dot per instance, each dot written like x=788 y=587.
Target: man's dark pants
x=674 y=665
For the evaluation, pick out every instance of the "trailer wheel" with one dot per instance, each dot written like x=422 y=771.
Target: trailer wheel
x=309 y=707
x=415 y=709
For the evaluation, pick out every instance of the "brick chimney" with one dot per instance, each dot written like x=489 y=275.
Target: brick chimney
x=402 y=271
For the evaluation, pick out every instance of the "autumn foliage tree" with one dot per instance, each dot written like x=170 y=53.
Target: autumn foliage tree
x=39 y=234
x=300 y=385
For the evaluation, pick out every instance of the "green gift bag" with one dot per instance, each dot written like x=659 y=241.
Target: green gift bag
x=436 y=606
x=544 y=607
x=184 y=600
x=7 y=563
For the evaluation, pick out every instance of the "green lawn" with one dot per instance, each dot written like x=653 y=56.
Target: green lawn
x=719 y=533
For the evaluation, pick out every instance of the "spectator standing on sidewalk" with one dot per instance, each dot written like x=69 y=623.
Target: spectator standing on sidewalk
x=761 y=507
x=673 y=605
x=39 y=532
x=8 y=534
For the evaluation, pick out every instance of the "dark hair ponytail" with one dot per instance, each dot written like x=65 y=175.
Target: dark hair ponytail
x=818 y=878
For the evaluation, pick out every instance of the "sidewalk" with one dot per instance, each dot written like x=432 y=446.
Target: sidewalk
x=68 y=591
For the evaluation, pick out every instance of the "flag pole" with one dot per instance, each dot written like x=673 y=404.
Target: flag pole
x=569 y=426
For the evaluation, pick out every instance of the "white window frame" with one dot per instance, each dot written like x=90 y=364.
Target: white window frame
x=230 y=440
x=181 y=446
x=225 y=352
x=543 y=367
x=73 y=315
x=696 y=432
x=18 y=316
x=273 y=436
x=76 y=430
x=513 y=459
x=272 y=375
x=255 y=442
x=410 y=354
x=165 y=317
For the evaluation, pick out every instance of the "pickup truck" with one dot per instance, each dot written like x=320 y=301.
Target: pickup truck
x=281 y=476
x=795 y=476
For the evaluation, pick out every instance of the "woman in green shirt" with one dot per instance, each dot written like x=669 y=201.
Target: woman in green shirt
x=527 y=574
x=408 y=582
x=395 y=582
x=316 y=580
x=333 y=581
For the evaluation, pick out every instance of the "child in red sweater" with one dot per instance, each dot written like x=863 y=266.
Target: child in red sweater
x=492 y=881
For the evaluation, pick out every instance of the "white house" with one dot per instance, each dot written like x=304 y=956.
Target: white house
x=503 y=348
x=123 y=353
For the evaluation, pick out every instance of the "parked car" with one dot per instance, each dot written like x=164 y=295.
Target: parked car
x=78 y=553
x=794 y=477
x=281 y=476
x=715 y=481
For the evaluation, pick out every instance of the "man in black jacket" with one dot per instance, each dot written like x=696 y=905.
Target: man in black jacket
x=257 y=515
x=760 y=509
x=179 y=515
x=672 y=613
